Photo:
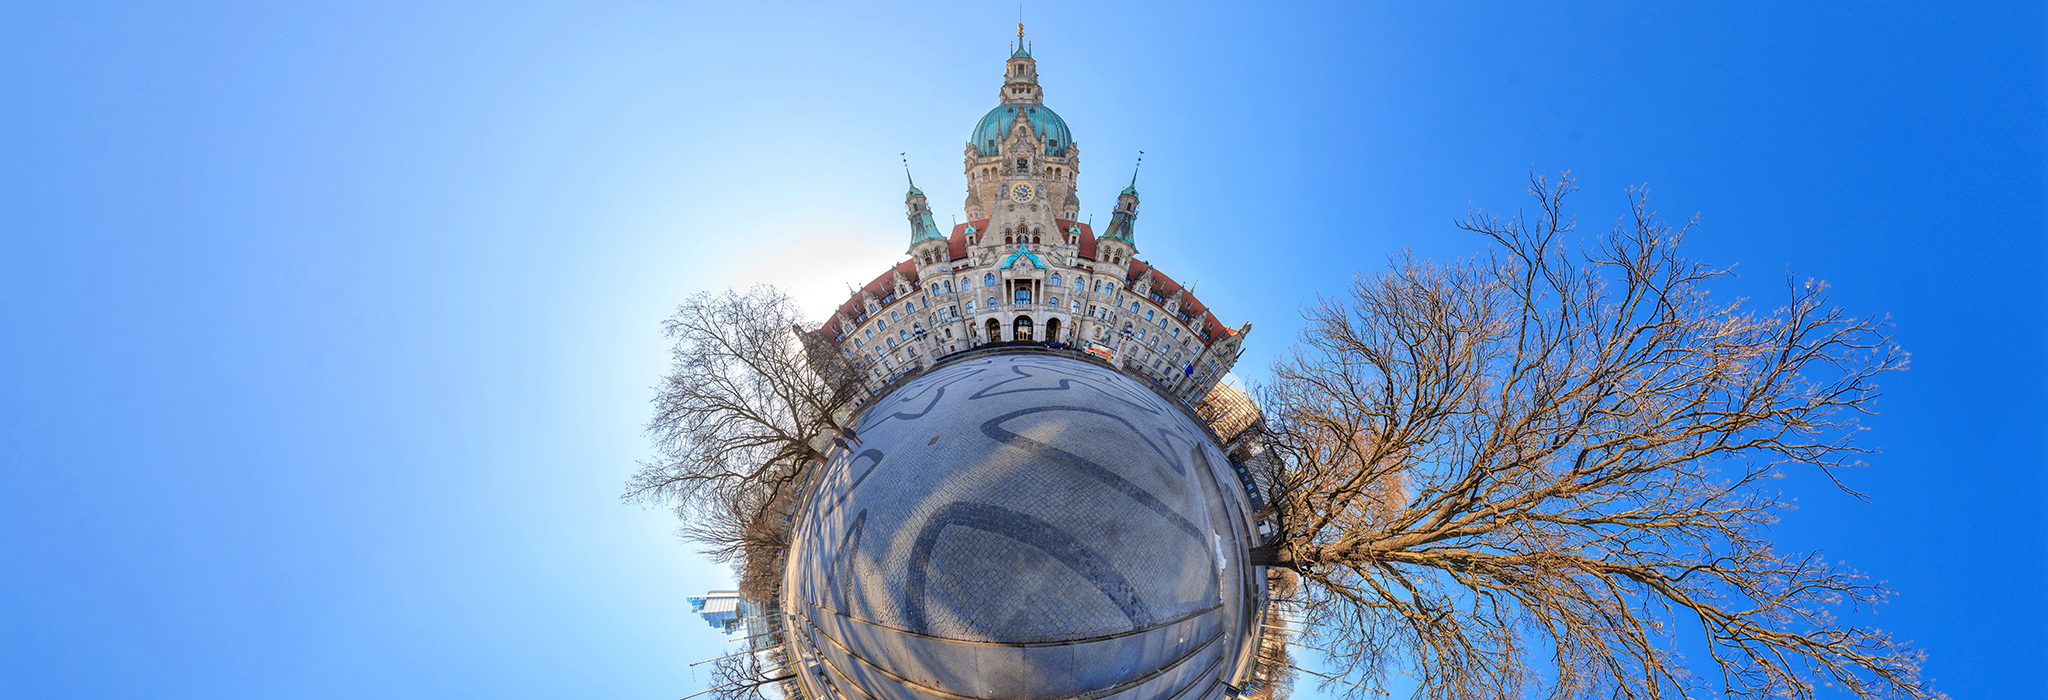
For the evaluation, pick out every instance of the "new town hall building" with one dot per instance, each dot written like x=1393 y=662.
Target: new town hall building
x=1023 y=268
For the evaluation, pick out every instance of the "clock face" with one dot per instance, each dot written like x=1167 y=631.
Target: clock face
x=1021 y=192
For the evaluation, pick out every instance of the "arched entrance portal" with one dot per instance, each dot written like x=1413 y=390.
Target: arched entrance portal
x=1052 y=329
x=1021 y=330
x=995 y=331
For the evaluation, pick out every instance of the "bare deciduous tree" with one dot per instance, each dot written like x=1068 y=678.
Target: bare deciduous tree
x=1512 y=474
x=1273 y=678
x=738 y=416
x=748 y=529
x=742 y=676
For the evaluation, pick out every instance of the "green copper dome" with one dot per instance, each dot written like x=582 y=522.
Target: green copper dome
x=1045 y=124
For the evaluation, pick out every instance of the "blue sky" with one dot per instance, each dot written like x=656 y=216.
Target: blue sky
x=329 y=327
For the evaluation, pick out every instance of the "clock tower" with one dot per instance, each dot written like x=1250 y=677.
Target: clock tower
x=1023 y=267
x=1022 y=165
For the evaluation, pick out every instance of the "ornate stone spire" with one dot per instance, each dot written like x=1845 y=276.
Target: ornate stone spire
x=1020 y=75
x=922 y=227
x=1123 y=222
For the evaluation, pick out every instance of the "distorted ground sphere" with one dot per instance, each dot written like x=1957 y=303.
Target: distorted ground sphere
x=1024 y=525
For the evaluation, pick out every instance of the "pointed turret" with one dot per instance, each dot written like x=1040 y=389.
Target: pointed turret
x=1020 y=76
x=1125 y=218
x=922 y=227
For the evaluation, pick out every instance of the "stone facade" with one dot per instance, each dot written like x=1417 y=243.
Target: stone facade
x=1022 y=268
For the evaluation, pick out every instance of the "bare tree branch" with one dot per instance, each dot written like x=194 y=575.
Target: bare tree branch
x=1512 y=474
x=746 y=405
x=742 y=676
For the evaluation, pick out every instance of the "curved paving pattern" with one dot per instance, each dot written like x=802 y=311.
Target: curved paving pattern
x=1021 y=526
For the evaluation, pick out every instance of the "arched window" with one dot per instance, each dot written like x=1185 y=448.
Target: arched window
x=988 y=280
x=1056 y=279
x=1080 y=283
x=1148 y=314
x=1134 y=307
x=970 y=307
x=1098 y=286
x=1052 y=301
x=991 y=303
x=893 y=316
x=1023 y=296
x=948 y=285
x=1006 y=239
x=1034 y=238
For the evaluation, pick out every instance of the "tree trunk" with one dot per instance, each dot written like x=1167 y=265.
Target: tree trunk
x=1275 y=554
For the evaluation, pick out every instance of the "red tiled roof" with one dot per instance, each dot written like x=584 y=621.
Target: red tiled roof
x=880 y=287
x=956 y=246
x=1087 y=236
x=1168 y=287
x=1164 y=286
x=1218 y=331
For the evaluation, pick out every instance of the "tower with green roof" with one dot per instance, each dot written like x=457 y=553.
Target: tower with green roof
x=927 y=243
x=1020 y=160
x=1025 y=266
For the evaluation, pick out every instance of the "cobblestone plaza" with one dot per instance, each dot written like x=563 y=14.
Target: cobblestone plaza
x=1022 y=524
